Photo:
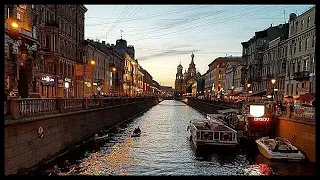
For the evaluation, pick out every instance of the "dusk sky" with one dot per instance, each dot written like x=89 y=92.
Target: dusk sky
x=164 y=35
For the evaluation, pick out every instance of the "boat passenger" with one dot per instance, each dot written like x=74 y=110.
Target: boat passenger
x=137 y=130
x=55 y=172
x=66 y=167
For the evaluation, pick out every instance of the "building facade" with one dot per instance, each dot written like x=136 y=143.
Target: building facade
x=217 y=67
x=253 y=53
x=21 y=43
x=300 y=77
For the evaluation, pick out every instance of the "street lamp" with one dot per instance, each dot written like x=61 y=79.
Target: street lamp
x=113 y=79
x=92 y=62
x=273 y=81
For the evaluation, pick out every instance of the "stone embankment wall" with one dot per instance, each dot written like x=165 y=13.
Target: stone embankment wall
x=25 y=147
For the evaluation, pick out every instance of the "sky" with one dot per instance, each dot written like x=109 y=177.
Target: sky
x=165 y=35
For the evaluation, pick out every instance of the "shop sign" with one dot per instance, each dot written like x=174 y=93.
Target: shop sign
x=261 y=119
x=67 y=80
x=47 y=80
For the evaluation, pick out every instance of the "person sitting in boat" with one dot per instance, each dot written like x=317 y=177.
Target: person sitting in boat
x=66 y=166
x=137 y=130
x=55 y=171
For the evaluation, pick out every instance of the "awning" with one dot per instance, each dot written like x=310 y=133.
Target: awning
x=228 y=111
x=260 y=93
x=306 y=97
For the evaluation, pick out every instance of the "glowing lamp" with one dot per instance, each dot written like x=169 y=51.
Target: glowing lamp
x=257 y=110
x=92 y=62
x=14 y=25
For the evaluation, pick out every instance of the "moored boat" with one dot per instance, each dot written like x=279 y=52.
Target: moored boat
x=211 y=132
x=278 y=148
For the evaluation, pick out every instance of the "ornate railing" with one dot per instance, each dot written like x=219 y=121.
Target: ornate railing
x=304 y=112
x=20 y=107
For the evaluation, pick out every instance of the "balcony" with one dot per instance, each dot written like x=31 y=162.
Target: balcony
x=301 y=76
x=257 y=78
x=52 y=23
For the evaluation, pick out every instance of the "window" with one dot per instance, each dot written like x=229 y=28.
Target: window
x=283 y=65
x=302 y=22
x=297 y=24
x=294 y=48
x=293 y=68
x=47 y=42
x=290 y=49
x=300 y=44
x=18 y=16
x=308 y=21
x=32 y=6
x=312 y=42
x=47 y=16
x=287 y=89
x=305 y=62
x=306 y=45
x=297 y=87
x=291 y=89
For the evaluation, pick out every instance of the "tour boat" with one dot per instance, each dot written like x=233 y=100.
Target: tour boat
x=211 y=132
x=278 y=148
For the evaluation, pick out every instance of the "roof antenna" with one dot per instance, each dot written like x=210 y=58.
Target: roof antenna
x=121 y=33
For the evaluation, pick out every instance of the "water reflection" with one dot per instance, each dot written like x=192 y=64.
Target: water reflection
x=164 y=149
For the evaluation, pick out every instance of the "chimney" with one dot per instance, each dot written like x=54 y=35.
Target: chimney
x=103 y=42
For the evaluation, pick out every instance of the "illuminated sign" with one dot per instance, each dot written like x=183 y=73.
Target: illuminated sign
x=257 y=110
x=265 y=119
x=67 y=79
x=47 y=79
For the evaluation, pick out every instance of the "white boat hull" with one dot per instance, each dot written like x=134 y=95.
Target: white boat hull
x=276 y=155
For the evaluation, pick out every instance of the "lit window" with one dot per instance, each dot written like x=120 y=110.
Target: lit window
x=18 y=16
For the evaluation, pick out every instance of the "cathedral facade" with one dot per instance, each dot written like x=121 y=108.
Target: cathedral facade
x=184 y=81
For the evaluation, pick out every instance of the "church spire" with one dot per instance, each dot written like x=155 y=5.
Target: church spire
x=192 y=56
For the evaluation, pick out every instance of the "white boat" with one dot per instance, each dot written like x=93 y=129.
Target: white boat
x=278 y=148
x=211 y=132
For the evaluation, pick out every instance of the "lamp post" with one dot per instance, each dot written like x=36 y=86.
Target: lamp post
x=113 y=79
x=14 y=34
x=273 y=81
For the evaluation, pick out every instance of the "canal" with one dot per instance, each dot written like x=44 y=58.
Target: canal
x=164 y=149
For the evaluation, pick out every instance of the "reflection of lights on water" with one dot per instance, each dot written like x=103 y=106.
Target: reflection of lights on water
x=115 y=162
x=259 y=170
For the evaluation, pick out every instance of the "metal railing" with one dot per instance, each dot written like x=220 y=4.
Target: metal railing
x=20 y=107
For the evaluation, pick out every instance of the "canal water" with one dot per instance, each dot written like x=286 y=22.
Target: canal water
x=164 y=149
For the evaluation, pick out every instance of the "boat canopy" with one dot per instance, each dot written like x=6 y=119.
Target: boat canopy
x=225 y=111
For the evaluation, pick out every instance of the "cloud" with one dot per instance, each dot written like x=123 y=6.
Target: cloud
x=169 y=52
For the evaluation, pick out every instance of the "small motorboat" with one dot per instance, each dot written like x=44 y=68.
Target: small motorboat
x=99 y=138
x=278 y=148
x=136 y=134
